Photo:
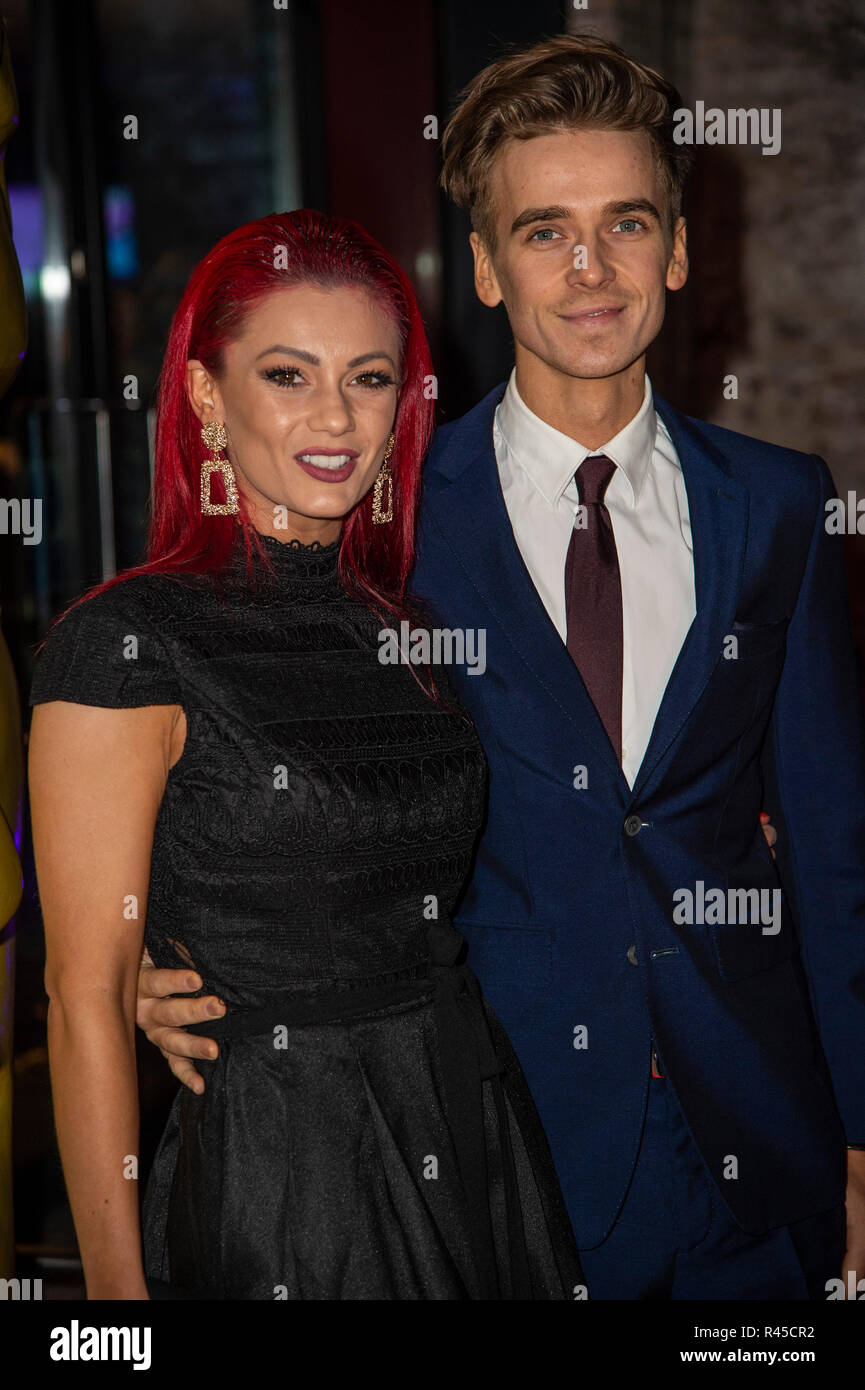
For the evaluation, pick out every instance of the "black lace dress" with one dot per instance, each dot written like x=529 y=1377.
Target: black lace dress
x=366 y=1132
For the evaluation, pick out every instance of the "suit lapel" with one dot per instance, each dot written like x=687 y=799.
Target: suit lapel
x=465 y=500
x=718 y=508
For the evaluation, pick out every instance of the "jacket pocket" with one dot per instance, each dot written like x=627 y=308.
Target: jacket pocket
x=759 y=639
x=509 y=958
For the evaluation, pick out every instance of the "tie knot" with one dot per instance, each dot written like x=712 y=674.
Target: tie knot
x=593 y=476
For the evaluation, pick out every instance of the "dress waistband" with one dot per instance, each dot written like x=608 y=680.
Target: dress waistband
x=328 y=1006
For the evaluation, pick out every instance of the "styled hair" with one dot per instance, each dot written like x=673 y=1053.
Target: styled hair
x=270 y=254
x=567 y=83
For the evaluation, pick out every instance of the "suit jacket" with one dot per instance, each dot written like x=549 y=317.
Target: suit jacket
x=570 y=910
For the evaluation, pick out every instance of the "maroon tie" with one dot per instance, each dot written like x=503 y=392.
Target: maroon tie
x=593 y=598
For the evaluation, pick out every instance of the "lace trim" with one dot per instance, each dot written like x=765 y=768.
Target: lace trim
x=314 y=547
x=292 y=559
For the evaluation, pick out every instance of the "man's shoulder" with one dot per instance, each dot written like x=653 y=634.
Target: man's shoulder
x=471 y=430
x=750 y=449
x=757 y=463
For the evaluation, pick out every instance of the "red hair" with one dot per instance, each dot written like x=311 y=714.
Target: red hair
x=374 y=561
x=272 y=253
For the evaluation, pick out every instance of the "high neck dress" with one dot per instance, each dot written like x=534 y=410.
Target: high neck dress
x=366 y=1131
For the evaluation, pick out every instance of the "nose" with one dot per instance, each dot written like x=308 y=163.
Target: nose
x=590 y=267
x=330 y=410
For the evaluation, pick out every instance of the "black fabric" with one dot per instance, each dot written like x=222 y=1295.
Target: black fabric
x=366 y=1132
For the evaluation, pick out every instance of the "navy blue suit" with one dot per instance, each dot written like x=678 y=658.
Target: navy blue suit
x=569 y=913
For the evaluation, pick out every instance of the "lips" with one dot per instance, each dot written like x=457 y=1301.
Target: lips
x=325 y=460
x=604 y=313
x=328 y=465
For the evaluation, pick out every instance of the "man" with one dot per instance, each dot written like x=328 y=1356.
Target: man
x=667 y=649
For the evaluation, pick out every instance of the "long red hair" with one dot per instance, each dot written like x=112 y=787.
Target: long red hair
x=283 y=249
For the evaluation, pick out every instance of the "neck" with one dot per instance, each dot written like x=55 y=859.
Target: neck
x=590 y=410
x=299 y=528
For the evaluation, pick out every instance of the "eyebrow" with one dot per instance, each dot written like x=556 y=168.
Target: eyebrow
x=316 y=361
x=558 y=212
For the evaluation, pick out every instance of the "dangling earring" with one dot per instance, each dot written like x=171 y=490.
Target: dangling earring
x=384 y=476
x=215 y=439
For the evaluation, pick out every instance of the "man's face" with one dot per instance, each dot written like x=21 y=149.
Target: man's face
x=584 y=250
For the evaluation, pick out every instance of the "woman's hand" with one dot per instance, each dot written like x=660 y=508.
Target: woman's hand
x=163 y=1018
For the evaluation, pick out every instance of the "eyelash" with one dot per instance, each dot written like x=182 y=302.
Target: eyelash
x=381 y=379
x=639 y=222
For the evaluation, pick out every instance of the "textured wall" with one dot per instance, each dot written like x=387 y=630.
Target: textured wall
x=777 y=242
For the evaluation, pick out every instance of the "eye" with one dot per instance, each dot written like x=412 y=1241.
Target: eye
x=631 y=224
x=279 y=375
x=546 y=233
x=374 y=381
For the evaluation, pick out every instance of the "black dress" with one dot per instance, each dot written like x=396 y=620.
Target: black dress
x=366 y=1132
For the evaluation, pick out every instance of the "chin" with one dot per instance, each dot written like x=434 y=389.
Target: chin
x=332 y=509
x=593 y=368
x=335 y=511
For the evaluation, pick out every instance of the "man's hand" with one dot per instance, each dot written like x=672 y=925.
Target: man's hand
x=163 y=1019
x=854 y=1259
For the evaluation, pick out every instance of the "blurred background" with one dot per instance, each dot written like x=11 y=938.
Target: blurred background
x=149 y=128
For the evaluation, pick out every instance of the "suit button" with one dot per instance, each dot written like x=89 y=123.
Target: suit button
x=633 y=825
x=632 y=955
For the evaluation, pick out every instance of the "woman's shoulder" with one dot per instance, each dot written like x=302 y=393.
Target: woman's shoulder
x=132 y=598
x=109 y=649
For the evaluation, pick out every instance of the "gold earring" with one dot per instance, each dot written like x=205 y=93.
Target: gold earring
x=215 y=439
x=379 y=515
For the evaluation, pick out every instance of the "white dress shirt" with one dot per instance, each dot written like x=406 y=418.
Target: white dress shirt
x=648 y=508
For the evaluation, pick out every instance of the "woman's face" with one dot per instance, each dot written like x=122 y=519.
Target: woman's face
x=308 y=396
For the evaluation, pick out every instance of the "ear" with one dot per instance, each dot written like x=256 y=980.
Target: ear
x=203 y=392
x=486 y=284
x=677 y=266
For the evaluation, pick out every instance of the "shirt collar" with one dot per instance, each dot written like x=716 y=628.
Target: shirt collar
x=551 y=458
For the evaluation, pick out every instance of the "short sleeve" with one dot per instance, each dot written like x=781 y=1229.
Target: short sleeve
x=106 y=652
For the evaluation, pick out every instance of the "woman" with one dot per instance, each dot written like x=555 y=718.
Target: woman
x=222 y=768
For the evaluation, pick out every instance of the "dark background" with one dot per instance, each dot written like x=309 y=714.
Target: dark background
x=240 y=108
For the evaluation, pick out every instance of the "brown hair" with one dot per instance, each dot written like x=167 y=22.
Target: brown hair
x=565 y=83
